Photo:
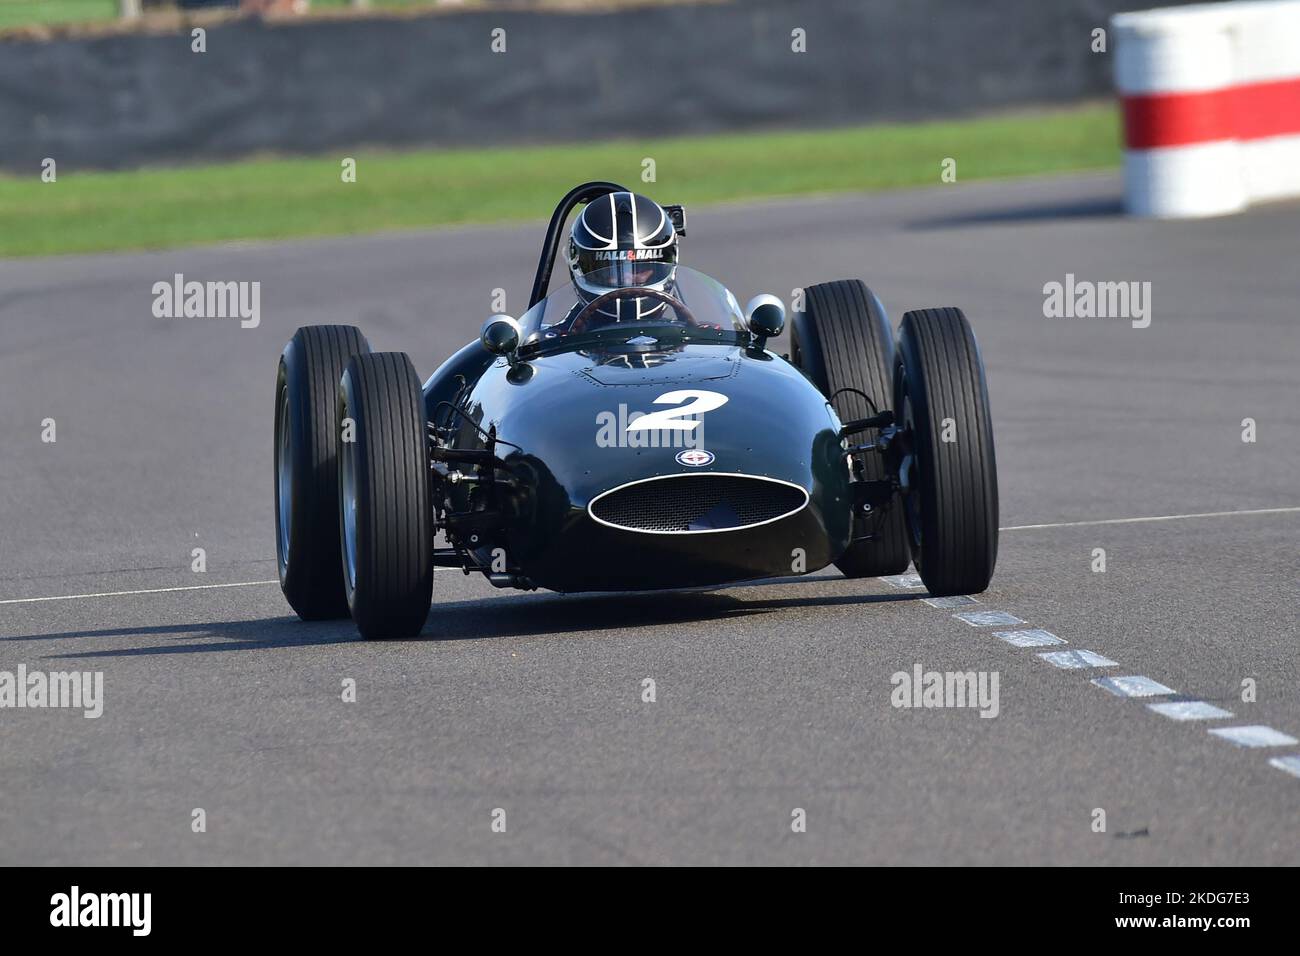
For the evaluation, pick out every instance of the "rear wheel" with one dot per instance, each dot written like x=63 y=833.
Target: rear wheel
x=948 y=471
x=842 y=341
x=384 y=519
x=306 y=468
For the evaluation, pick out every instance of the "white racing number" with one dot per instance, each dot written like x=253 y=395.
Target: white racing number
x=673 y=418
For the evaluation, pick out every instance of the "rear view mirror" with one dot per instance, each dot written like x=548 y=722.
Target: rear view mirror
x=501 y=335
x=765 y=316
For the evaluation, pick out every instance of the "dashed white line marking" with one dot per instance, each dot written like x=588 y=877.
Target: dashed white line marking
x=987 y=618
x=1290 y=764
x=1034 y=637
x=1073 y=660
x=1254 y=736
x=957 y=600
x=101 y=594
x=1203 y=514
x=1189 y=710
x=909 y=580
x=1133 y=686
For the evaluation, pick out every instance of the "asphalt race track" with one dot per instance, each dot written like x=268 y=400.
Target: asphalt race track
x=769 y=697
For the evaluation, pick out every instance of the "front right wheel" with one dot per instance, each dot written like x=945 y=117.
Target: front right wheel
x=947 y=471
x=306 y=468
x=385 y=513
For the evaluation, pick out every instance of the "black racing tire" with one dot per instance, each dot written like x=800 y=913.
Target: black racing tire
x=385 y=515
x=306 y=468
x=950 y=494
x=842 y=339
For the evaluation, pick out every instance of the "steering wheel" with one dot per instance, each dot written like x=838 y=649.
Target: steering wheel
x=580 y=320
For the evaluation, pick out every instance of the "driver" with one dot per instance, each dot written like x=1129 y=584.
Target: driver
x=621 y=241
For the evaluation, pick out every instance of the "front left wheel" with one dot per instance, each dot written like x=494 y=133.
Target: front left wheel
x=385 y=517
x=948 y=471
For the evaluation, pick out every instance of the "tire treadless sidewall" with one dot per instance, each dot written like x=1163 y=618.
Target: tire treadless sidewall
x=394 y=520
x=842 y=339
x=308 y=377
x=939 y=367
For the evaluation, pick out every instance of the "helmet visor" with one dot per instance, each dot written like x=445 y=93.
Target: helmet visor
x=627 y=273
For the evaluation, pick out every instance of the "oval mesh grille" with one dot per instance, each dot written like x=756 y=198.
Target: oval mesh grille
x=706 y=502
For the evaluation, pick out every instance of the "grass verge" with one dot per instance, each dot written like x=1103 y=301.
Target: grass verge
x=279 y=198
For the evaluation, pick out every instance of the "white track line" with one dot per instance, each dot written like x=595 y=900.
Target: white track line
x=100 y=594
x=1204 y=514
x=1021 y=527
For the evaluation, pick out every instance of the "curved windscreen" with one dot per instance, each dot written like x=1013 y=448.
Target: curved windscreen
x=634 y=297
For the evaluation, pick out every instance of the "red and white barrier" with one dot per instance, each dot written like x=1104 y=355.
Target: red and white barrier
x=1211 y=99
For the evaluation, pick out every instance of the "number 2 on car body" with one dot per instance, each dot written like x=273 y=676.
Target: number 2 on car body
x=672 y=418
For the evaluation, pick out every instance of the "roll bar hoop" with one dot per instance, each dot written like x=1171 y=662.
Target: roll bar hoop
x=578 y=195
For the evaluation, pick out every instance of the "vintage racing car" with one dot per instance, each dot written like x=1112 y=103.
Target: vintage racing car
x=633 y=431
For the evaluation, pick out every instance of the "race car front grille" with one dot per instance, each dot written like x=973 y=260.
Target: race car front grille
x=685 y=504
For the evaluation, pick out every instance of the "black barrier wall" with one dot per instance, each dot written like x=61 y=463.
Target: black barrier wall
x=129 y=99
